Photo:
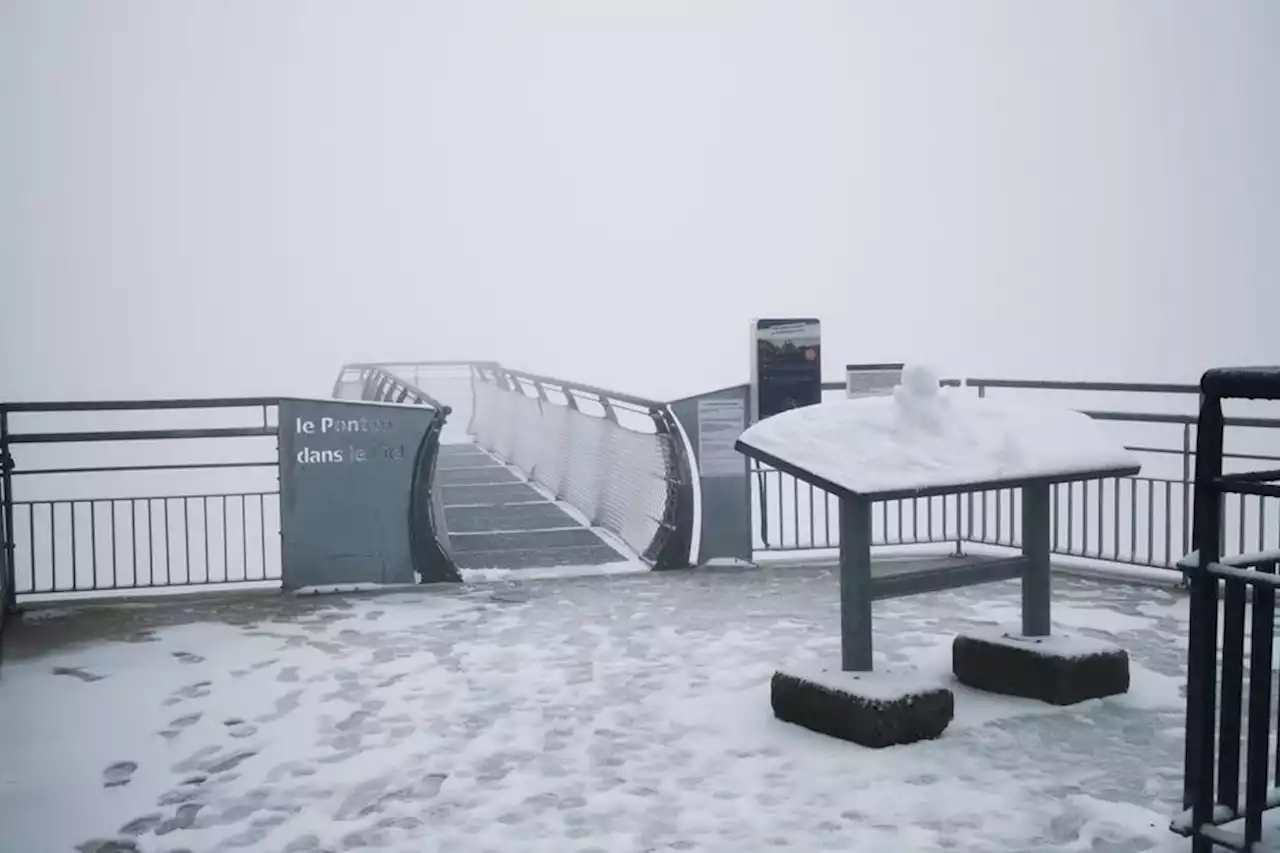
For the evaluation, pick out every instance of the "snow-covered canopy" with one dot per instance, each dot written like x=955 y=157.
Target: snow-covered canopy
x=924 y=438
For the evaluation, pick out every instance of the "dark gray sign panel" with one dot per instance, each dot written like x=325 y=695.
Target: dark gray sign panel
x=786 y=365
x=713 y=422
x=355 y=494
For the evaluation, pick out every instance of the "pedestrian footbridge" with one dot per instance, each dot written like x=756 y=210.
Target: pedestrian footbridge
x=537 y=473
x=494 y=517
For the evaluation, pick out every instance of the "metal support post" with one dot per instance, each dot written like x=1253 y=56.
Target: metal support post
x=1036 y=579
x=855 y=585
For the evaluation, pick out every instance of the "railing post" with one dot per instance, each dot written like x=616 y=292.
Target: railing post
x=762 y=481
x=982 y=393
x=674 y=552
x=7 y=546
x=476 y=376
x=1187 y=514
x=1202 y=634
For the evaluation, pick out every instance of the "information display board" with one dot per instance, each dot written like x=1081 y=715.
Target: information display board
x=786 y=365
x=871 y=380
x=720 y=422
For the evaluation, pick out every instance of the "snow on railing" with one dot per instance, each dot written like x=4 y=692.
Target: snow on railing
x=553 y=430
x=1143 y=520
x=613 y=457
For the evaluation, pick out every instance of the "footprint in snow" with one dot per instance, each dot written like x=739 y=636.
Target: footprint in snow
x=118 y=774
x=198 y=690
x=77 y=672
x=177 y=726
x=238 y=728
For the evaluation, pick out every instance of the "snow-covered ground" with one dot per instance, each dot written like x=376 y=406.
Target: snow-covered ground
x=610 y=714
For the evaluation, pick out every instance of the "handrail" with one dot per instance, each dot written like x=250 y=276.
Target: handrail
x=833 y=385
x=1059 y=385
x=138 y=405
x=442 y=363
x=1181 y=420
x=670 y=542
x=568 y=386
x=380 y=384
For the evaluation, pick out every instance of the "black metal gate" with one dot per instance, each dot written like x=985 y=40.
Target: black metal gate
x=1219 y=721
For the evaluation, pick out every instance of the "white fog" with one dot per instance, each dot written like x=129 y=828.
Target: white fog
x=237 y=197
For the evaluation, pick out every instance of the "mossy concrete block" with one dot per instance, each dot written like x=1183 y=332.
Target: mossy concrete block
x=1060 y=670
x=869 y=708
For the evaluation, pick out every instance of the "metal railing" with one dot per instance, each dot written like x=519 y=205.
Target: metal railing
x=1143 y=520
x=614 y=457
x=379 y=383
x=174 y=493
x=8 y=592
x=1212 y=781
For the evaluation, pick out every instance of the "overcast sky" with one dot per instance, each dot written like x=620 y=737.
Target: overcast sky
x=237 y=196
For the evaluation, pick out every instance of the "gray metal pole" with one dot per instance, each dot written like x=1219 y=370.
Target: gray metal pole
x=8 y=580
x=855 y=585
x=1036 y=583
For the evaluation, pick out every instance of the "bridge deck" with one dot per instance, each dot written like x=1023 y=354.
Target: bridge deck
x=496 y=520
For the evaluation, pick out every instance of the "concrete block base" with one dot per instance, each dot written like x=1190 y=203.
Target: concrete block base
x=875 y=709
x=1060 y=670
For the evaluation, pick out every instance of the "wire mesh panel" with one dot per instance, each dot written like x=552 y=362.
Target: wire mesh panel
x=636 y=495
x=610 y=457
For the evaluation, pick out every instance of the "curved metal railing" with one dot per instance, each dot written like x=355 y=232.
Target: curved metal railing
x=377 y=383
x=616 y=458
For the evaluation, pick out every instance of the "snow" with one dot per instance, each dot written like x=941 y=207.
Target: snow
x=883 y=686
x=629 y=567
x=924 y=437
x=1063 y=646
x=1182 y=821
x=1233 y=821
x=726 y=563
x=621 y=714
x=1243 y=561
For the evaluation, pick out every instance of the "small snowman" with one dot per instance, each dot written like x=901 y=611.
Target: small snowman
x=918 y=398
